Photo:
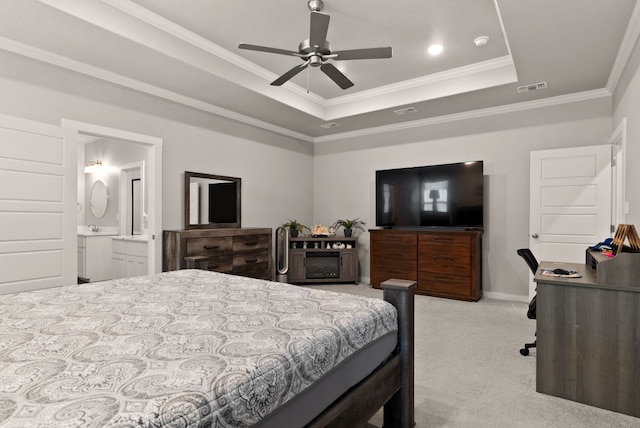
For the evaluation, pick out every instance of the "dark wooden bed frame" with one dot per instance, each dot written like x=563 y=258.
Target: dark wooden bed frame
x=390 y=385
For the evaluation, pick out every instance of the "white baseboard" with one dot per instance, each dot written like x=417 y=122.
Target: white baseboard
x=505 y=296
x=487 y=294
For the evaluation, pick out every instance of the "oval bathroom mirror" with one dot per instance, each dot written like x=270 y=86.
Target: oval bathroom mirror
x=99 y=199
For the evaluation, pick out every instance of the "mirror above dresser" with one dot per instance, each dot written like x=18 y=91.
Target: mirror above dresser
x=212 y=238
x=211 y=201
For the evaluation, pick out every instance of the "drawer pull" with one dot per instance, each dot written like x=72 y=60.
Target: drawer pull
x=446 y=277
x=441 y=239
x=443 y=258
x=211 y=247
x=399 y=272
x=251 y=261
x=251 y=244
x=213 y=267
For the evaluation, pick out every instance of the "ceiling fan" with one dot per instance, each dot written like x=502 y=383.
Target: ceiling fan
x=316 y=50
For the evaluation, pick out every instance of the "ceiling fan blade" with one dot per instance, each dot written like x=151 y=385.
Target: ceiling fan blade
x=336 y=75
x=319 y=28
x=289 y=74
x=267 y=49
x=370 y=53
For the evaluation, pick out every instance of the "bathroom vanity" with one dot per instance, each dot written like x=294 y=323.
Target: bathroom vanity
x=94 y=261
x=128 y=256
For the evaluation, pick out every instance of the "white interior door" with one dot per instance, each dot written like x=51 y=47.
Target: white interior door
x=37 y=205
x=570 y=206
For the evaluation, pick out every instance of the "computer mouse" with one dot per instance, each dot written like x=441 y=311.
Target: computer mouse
x=561 y=271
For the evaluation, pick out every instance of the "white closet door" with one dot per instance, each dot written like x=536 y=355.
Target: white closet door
x=570 y=202
x=37 y=205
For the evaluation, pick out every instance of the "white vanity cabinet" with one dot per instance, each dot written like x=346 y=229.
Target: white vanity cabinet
x=128 y=257
x=94 y=261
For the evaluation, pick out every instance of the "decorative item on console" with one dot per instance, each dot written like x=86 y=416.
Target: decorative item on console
x=349 y=225
x=295 y=227
x=321 y=230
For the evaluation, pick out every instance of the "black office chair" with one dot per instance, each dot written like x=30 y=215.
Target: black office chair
x=531 y=261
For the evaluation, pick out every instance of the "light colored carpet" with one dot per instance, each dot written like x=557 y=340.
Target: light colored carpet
x=469 y=373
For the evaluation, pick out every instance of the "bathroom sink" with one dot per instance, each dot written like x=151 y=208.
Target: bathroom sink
x=101 y=233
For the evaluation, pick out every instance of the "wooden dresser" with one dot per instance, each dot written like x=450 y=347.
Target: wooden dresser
x=445 y=263
x=245 y=251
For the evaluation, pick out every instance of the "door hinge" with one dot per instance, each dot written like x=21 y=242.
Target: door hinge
x=612 y=228
x=613 y=161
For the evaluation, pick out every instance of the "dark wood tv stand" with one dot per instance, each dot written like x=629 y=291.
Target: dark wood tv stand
x=444 y=262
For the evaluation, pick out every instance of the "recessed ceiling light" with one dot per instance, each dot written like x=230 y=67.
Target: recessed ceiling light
x=435 y=49
x=330 y=125
x=481 y=41
x=403 y=111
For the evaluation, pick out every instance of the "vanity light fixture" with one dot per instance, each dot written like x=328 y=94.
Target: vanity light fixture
x=92 y=167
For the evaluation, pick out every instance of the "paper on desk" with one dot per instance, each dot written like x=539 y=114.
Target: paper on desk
x=551 y=272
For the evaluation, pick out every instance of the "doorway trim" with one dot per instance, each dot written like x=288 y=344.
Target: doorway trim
x=126 y=171
x=620 y=205
x=154 y=182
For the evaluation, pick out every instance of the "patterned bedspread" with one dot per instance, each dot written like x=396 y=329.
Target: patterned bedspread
x=185 y=349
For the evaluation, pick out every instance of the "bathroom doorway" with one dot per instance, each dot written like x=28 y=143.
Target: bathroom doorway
x=150 y=218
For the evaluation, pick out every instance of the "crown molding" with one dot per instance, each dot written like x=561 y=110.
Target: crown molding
x=473 y=114
x=482 y=75
x=98 y=73
x=626 y=48
x=101 y=74
x=155 y=32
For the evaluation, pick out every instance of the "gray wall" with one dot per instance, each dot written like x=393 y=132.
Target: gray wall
x=345 y=175
x=286 y=178
x=626 y=104
x=276 y=171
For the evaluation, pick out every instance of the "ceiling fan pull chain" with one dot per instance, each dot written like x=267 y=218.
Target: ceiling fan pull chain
x=308 y=79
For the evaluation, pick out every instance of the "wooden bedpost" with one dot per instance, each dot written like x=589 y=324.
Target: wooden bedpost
x=391 y=385
x=399 y=411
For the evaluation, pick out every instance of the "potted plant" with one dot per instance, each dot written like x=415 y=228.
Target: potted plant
x=349 y=225
x=295 y=227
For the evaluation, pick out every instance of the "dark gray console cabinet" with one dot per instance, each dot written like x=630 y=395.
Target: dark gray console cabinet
x=323 y=260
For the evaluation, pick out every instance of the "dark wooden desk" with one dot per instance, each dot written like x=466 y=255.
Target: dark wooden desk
x=588 y=340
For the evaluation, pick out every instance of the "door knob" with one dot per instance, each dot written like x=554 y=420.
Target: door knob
x=534 y=235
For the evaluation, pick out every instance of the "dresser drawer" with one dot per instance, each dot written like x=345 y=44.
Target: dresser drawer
x=444 y=240
x=394 y=246
x=453 y=285
x=394 y=254
x=462 y=269
x=455 y=264
x=448 y=255
x=245 y=259
x=251 y=242
x=394 y=263
x=223 y=263
x=258 y=270
x=208 y=246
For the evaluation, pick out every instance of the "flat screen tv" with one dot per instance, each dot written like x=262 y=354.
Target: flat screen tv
x=449 y=195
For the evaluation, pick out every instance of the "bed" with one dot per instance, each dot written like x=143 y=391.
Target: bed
x=194 y=348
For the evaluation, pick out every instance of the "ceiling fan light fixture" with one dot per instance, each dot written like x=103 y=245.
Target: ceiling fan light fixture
x=316 y=51
x=435 y=49
x=315 y=5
